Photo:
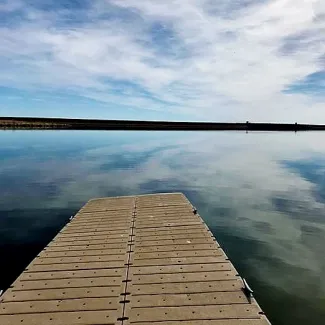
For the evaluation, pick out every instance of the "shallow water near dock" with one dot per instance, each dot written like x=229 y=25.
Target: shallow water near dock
x=261 y=194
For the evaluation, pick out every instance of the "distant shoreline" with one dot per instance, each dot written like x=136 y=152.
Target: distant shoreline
x=32 y=123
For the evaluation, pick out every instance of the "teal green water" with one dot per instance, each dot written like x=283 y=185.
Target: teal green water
x=262 y=195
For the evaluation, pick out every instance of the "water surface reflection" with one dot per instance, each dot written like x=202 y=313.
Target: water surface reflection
x=262 y=195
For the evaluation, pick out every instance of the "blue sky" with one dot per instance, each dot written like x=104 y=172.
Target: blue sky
x=225 y=60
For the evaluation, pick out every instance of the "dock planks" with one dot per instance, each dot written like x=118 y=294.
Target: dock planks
x=131 y=260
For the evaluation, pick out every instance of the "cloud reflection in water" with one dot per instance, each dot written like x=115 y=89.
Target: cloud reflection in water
x=261 y=194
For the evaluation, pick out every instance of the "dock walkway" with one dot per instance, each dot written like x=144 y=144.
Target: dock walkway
x=131 y=260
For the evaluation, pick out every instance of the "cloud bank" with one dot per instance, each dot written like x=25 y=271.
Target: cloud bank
x=206 y=60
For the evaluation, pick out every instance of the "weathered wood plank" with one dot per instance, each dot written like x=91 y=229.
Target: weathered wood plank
x=145 y=260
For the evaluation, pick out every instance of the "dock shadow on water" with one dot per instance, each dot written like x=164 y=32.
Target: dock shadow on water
x=261 y=194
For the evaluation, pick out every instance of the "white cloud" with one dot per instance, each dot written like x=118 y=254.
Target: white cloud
x=220 y=60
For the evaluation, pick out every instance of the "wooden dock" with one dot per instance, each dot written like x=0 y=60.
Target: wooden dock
x=131 y=260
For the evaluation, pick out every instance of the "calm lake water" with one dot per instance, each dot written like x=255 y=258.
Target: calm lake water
x=262 y=195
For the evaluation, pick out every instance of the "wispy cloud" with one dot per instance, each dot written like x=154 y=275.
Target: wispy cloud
x=225 y=60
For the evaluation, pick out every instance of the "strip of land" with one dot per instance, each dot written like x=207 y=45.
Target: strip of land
x=30 y=123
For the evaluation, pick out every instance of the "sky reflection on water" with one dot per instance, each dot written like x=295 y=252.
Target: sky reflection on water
x=262 y=195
